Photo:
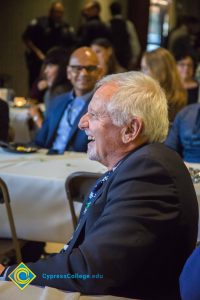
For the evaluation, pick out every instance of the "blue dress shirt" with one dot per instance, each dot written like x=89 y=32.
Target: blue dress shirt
x=67 y=121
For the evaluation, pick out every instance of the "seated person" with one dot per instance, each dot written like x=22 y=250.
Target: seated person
x=54 y=76
x=59 y=130
x=106 y=56
x=160 y=64
x=4 y=121
x=189 y=279
x=55 y=64
x=53 y=80
x=186 y=65
x=139 y=222
x=184 y=136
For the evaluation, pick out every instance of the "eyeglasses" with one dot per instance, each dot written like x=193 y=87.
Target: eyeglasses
x=78 y=69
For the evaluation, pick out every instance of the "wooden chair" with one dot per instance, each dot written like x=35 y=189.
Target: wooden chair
x=7 y=245
x=77 y=187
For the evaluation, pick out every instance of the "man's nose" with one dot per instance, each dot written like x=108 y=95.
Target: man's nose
x=83 y=71
x=83 y=123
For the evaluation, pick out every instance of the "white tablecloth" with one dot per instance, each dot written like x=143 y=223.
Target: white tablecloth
x=36 y=185
x=9 y=291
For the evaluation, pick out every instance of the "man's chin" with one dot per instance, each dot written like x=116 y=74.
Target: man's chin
x=92 y=155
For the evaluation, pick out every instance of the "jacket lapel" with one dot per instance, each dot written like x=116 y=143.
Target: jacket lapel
x=75 y=128
x=77 y=232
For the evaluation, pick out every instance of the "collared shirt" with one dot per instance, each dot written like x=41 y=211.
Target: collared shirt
x=184 y=136
x=68 y=119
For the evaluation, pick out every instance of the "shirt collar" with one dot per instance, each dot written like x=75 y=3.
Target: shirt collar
x=84 y=97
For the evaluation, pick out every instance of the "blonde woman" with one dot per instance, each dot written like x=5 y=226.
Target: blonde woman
x=161 y=65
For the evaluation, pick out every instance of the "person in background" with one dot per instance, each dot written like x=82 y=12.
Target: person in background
x=54 y=81
x=93 y=27
x=106 y=56
x=124 y=38
x=186 y=65
x=185 y=36
x=161 y=65
x=54 y=73
x=189 y=279
x=38 y=88
x=4 y=121
x=59 y=131
x=139 y=223
x=184 y=136
x=42 y=34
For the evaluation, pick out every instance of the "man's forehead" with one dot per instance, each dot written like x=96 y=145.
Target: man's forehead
x=84 y=58
x=107 y=90
x=103 y=94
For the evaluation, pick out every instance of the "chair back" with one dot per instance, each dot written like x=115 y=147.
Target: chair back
x=5 y=199
x=77 y=186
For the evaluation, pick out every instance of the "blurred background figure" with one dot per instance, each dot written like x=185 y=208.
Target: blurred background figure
x=186 y=65
x=4 y=121
x=184 y=136
x=54 y=81
x=93 y=27
x=161 y=65
x=54 y=70
x=106 y=56
x=124 y=38
x=42 y=34
x=184 y=36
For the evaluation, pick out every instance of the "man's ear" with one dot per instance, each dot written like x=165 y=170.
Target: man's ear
x=132 y=131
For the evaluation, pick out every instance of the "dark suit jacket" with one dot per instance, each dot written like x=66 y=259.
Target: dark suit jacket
x=46 y=135
x=4 y=120
x=137 y=234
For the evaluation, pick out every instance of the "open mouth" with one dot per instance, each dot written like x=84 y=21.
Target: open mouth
x=91 y=139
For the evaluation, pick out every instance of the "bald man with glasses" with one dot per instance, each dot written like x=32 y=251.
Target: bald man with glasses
x=59 y=131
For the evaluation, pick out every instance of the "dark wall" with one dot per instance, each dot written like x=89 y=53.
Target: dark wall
x=188 y=7
x=14 y=16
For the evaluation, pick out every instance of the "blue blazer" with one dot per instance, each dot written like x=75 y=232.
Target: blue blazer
x=46 y=135
x=189 y=279
x=136 y=236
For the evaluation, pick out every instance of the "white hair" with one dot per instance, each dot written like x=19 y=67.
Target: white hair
x=138 y=95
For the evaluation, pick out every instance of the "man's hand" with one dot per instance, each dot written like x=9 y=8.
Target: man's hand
x=2 y=268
